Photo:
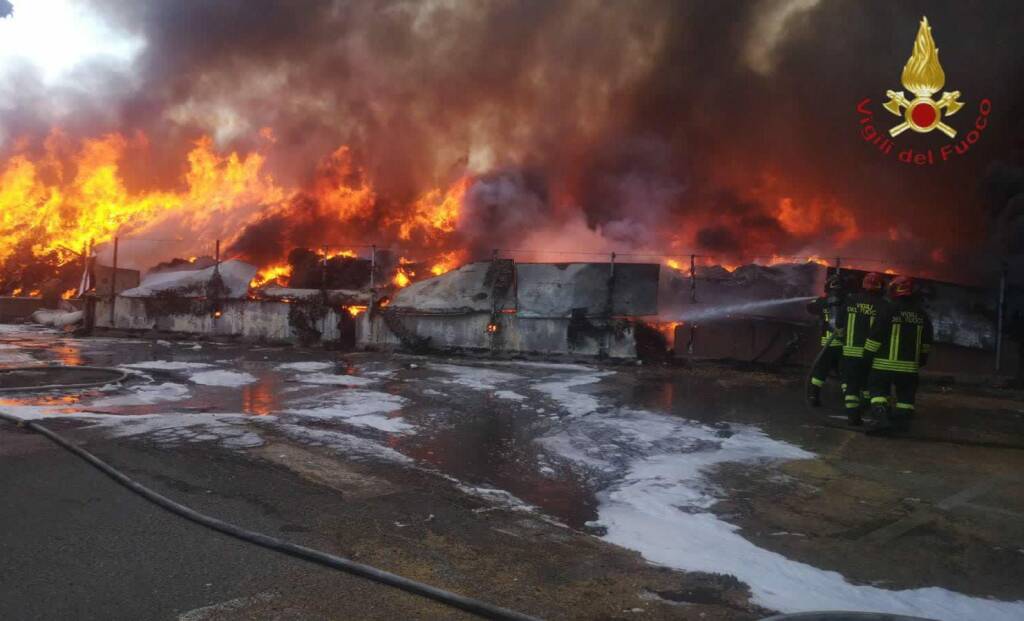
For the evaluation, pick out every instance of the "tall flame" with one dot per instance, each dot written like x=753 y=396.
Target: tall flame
x=38 y=208
x=923 y=75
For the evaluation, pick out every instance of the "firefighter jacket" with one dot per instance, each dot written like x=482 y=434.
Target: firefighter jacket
x=900 y=339
x=828 y=308
x=856 y=319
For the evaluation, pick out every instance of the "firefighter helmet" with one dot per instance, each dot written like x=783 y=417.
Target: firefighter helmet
x=901 y=287
x=872 y=282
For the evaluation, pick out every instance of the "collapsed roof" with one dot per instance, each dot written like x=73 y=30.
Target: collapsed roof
x=537 y=289
x=234 y=275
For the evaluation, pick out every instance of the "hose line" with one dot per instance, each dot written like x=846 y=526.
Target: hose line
x=474 y=606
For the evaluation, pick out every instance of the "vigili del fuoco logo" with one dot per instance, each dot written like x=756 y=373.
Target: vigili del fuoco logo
x=923 y=77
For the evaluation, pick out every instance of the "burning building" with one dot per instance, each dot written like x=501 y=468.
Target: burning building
x=501 y=306
x=445 y=132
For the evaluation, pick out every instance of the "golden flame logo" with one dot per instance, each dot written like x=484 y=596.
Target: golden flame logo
x=923 y=76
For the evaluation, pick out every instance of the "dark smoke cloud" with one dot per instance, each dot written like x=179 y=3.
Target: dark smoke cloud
x=6 y=8
x=665 y=123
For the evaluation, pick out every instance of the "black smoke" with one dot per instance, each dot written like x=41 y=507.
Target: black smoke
x=664 y=123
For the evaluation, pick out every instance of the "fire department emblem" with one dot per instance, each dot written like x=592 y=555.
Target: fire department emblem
x=923 y=76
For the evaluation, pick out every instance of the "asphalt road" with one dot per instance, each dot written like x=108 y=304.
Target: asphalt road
x=75 y=545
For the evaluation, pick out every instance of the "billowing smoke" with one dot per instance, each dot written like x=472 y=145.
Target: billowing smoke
x=726 y=129
x=1005 y=187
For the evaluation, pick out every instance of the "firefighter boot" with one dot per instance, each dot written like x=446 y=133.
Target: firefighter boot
x=814 y=395
x=881 y=423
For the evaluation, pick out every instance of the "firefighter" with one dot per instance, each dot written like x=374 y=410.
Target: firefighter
x=855 y=321
x=898 y=347
x=828 y=308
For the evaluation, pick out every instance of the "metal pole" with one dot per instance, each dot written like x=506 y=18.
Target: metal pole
x=693 y=278
x=373 y=270
x=216 y=265
x=999 y=318
x=611 y=284
x=113 y=285
x=323 y=269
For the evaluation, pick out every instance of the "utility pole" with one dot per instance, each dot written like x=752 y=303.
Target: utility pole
x=999 y=318
x=693 y=279
x=373 y=280
x=113 y=284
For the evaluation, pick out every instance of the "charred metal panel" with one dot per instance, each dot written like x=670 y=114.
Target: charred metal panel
x=556 y=289
x=463 y=290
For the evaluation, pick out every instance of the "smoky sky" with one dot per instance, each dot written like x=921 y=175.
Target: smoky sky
x=648 y=118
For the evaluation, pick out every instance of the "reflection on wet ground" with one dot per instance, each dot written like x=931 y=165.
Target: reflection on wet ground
x=479 y=423
x=261 y=398
x=622 y=450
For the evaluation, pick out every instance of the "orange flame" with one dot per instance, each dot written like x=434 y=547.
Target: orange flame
x=402 y=277
x=447 y=262
x=64 y=215
x=435 y=211
x=275 y=273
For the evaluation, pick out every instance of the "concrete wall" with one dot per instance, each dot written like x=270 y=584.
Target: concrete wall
x=515 y=334
x=18 y=308
x=257 y=320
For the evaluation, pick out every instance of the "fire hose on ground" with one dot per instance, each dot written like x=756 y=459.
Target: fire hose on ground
x=474 y=606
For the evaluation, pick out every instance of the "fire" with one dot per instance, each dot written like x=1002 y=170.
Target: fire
x=274 y=273
x=446 y=263
x=817 y=217
x=69 y=294
x=668 y=330
x=351 y=254
x=435 y=211
x=355 y=310
x=43 y=208
x=16 y=292
x=674 y=264
x=781 y=259
x=402 y=277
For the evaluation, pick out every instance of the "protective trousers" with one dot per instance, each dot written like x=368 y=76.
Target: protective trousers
x=828 y=360
x=881 y=384
x=853 y=372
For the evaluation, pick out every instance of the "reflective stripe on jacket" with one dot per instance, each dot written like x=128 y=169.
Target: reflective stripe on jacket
x=901 y=338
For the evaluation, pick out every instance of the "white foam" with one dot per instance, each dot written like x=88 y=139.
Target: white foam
x=554 y=366
x=145 y=394
x=574 y=403
x=657 y=503
x=167 y=365
x=510 y=395
x=362 y=408
x=223 y=378
x=229 y=430
x=335 y=380
x=307 y=366
x=350 y=446
x=475 y=378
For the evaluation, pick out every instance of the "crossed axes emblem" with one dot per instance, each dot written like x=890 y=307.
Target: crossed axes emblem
x=923 y=114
